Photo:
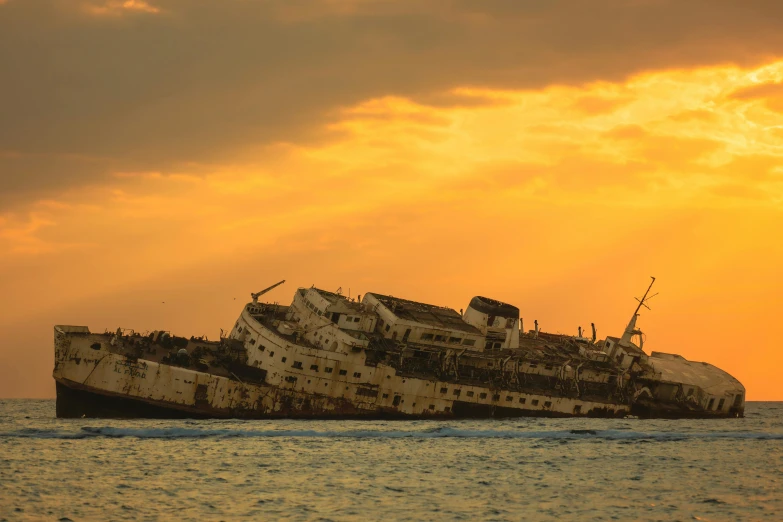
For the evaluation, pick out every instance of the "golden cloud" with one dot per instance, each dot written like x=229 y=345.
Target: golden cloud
x=120 y=7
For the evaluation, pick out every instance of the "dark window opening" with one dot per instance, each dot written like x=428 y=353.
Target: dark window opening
x=455 y=340
x=385 y=396
x=406 y=334
x=357 y=374
x=343 y=372
x=388 y=327
x=548 y=367
x=432 y=406
x=252 y=341
x=720 y=404
x=469 y=394
x=547 y=404
x=709 y=405
x=496 y=397
x=440 y=338
x=577 y=409
x=328 y=370
x=396 y=401
x=522 y=400
x=427 y=337
x=457 y=392
x=290 y=378
x=271 y=354
x=297 y=365
x=482 y=395
x=447 y=409
x=534 y=402
x=283 y=359
x=314 y=367
x=509 y=398
x=444 y=390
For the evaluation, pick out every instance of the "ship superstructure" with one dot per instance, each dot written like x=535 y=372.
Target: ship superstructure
x=377 y=356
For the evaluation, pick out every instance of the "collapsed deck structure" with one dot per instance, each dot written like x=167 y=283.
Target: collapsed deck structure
x=378 y=356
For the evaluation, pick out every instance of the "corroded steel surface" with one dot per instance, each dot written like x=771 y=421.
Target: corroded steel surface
x=328 y=357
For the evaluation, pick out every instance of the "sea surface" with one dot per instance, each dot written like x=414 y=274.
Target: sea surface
x=520 y=469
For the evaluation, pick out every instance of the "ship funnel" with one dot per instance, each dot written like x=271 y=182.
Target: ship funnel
x=497 y=320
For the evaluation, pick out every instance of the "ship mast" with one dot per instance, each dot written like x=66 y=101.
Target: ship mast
x=256 y=295
x=631 y=330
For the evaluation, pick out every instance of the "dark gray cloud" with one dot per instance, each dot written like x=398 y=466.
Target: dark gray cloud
x=205 y=78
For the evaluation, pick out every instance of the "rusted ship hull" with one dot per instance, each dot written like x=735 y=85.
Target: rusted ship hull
x=102 y=384
x=97 y=380
x=326 y=356
x=75 y=401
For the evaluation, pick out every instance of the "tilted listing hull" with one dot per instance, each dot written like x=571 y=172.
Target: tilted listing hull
x=337 y=358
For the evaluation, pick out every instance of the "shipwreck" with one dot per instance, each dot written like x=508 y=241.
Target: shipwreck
x=377 y=356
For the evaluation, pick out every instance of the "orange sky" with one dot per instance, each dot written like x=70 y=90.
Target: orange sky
x=453 y=177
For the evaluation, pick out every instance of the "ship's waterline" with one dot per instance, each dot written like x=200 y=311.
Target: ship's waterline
x=328 y=356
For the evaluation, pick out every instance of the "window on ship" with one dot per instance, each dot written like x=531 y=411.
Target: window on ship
x=709 y=405
x=720 y=404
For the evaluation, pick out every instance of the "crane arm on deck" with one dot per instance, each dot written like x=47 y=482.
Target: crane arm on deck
x=256 y=295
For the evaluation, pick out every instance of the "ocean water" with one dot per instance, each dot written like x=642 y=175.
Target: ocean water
x=520 y=469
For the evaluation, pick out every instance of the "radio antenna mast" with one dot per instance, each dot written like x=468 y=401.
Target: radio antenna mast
x=631 y=330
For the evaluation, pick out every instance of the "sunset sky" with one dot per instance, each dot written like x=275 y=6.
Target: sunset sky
x=161 y=159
